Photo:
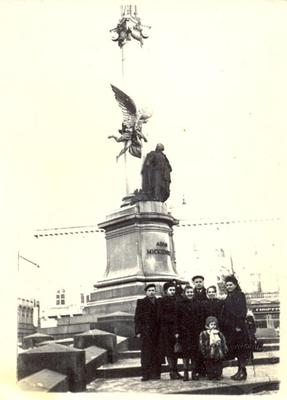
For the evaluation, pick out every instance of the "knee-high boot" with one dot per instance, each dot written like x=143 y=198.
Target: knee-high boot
x=242 y=373
x=172 y=368
x=236 y=374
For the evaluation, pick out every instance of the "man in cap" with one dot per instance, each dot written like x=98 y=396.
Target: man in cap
x=147 y=329
x=199 y=289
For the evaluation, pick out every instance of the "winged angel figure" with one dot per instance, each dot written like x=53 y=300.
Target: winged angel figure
x=131 y=132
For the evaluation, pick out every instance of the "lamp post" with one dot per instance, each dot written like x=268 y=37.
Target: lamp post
x=36 y=301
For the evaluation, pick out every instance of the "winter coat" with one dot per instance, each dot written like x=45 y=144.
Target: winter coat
x=215 y=351
x=214 y=307
x=189 y=324
x=167 y=315
x=199 y=294
x=234 y=324
x=146 y=324
x=146 y=318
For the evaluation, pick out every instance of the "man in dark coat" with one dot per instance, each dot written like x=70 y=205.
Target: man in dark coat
x=213 y=305
x=147 y=329
x=167 y=320
x=199 y=289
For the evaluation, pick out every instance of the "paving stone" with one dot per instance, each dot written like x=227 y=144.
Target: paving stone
x=263 y=375
x=126 y=367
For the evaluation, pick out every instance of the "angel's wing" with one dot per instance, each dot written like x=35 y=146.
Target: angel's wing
x=127 y=106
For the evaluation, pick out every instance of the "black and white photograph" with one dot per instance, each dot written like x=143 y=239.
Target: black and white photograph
x=143 y=160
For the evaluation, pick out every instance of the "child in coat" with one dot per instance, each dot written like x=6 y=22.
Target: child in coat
x=213 y=347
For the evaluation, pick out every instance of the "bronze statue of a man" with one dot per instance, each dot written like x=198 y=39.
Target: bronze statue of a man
x=156 y=175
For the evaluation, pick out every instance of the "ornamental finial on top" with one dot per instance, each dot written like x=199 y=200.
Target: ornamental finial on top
x=129 y=27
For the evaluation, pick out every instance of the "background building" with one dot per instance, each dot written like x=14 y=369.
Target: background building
x=73 y=259
x=27 y=317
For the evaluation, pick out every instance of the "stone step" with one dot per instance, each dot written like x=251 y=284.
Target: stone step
x=129 y=354
x=270 y=339
x=136 y=353
x=128 y=367
x=260 y=358
x=133 y=343
x=271 y=347
x=264 y=379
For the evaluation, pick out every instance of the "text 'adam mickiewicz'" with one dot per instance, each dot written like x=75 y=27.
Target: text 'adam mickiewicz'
x=159 y=251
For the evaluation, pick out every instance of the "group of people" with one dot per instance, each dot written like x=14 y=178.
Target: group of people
x=192 y=323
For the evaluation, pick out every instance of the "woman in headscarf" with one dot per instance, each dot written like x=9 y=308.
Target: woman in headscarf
x=234 y=326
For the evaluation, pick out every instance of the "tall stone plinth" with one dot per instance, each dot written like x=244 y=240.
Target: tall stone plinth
x=140 y=250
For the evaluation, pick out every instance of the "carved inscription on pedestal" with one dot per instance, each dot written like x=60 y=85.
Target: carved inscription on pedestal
x=160 y=249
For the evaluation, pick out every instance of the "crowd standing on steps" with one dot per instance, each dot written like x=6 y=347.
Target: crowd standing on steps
x=190 y=322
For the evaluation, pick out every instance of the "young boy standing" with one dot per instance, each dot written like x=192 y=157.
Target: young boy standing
x=213 y=347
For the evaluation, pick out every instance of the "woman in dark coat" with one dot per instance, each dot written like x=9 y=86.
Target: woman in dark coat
x=189 y=324
x=213 y=305
x=235 y=327
x=167 y=315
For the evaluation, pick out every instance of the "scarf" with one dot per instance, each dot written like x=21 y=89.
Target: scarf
x=216 y=352
x=213 y=336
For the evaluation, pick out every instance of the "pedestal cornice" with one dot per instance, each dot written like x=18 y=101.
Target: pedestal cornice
x=139 y=213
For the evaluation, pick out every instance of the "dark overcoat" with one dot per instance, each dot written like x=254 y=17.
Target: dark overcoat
x=146 y=318
x=189 y=324
x=147 y=324
x=234 y=325
x=199 y=295
x=167 y=320
x=214 y=307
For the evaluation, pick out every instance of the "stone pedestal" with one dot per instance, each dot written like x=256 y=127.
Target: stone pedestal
x=45 y=380
x=35 y=339
x=119 y=323
x=140 y=250
x=67 y=361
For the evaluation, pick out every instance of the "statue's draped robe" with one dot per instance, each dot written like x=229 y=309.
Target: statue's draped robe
x=156 y=176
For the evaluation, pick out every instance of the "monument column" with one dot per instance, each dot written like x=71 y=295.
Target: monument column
x=139 y=235
x=130 y=34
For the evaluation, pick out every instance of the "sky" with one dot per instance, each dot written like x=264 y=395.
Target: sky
x=213 y=74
